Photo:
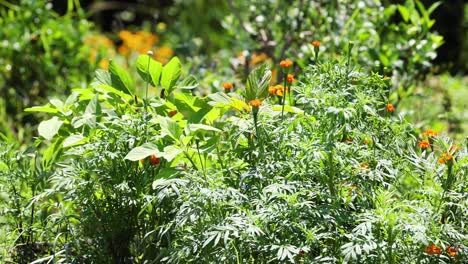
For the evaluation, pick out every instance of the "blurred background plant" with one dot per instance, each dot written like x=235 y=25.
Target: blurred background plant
x=42 y=54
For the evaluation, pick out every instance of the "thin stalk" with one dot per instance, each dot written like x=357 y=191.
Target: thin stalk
x=199 y=155
x=284 y=95
x=150 y=53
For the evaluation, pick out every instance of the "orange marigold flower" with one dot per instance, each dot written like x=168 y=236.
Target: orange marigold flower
x=424 y=144
x=433 y=249
x=452 y=251
x=280 y=92
x=272 y=90
x=255 y=103
x=286 y=64
x=228 y=86
x=290 y=78
x=442 y=160
x=430 y=133
x=316 y=43
x=390 y=108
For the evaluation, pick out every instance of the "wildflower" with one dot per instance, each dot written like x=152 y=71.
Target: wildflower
x=277 y=90
x=154 y=160
x=445 y=157
x=452 y=251
x=290 y=78
x=430 y=133
x=316 y=43
x=255 y=103
x=424 y=144
x=272 y=90
x=285 y=64
x=390 y=108
x=433 y=249
x=228 y=86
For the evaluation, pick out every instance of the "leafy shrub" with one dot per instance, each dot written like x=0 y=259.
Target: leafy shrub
x=327 y=173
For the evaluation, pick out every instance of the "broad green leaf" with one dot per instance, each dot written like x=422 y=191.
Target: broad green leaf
x=73 y=140
x=142 y=152
x=170 y=127
x=93 y=107
x=170 y=152
x=170 y=74
x=56 y=102
x=190 y=82
x=219 y=99
x=257 y=83
x=101 y=77
x=49 y=128
x=149 y=69
x=109 y=89
x=121 y=79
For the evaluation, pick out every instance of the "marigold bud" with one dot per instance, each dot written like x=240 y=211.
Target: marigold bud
x=255 y=103
x=285 y=64
x=228 y=86
x=316 y=43
x=390 y=108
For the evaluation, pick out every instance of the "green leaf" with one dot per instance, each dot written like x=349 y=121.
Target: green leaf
x=101 y=77
x=196 y=127
x=404 y=12
x=121 y=79
x=142 y=152
x=93 y=107
x=170 y=127
x=170 y=74
x=170 y=152
x=73 y=140
x=49 y=128
x=190 y=82
x=149 y=69
x=43 y=109
x=257 y=83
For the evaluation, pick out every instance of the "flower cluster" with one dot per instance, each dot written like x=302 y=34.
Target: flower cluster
x=286 y=64
x=447 y=156
x=140 y=41
x=424 y=144
x=98 y=43
x=278 y=90
x=429 y=133
x=433 y=250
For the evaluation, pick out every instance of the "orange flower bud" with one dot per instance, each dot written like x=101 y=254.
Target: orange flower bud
x=390 y=108
x=255 y=103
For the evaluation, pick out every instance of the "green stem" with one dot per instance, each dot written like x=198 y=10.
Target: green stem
x=284 y=95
